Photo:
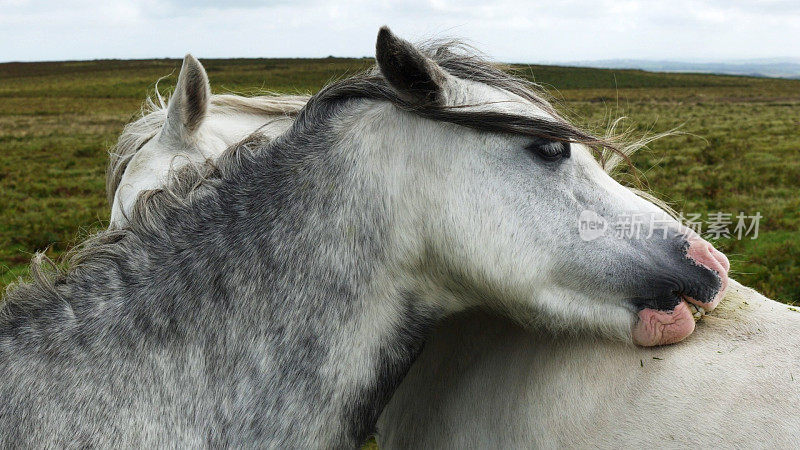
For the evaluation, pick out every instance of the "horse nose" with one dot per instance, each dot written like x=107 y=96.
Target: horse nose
x=669 y=318
x=704 y=254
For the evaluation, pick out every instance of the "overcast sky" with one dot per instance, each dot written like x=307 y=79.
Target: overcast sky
x=507 y=30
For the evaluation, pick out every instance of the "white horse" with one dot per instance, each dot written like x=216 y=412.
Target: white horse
x=483 y=383
x=203 y=126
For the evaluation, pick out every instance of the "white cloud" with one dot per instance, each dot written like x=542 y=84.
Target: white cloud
x=510 y=30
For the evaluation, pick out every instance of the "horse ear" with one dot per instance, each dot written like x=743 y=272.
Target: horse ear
x=189 y=103
x=407 y=69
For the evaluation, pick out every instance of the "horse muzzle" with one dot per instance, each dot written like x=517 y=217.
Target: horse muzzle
x=670 y=317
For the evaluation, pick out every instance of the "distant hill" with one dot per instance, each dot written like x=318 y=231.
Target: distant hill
x=767 y=67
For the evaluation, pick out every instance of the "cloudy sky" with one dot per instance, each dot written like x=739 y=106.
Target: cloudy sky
x=507 y=30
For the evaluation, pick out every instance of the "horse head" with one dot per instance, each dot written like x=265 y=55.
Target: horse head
x=192 y=128
x=498 y=200
x=490 y=184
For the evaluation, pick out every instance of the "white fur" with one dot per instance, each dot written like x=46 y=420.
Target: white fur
x=151 y=166
x=169 y=145
x=735 y=383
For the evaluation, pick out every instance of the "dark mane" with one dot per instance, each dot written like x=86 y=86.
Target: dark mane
x=465 y=63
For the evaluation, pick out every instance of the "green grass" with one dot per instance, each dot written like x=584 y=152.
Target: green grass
x=742 y=152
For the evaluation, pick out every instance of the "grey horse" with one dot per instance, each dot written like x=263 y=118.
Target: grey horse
x=278 y=296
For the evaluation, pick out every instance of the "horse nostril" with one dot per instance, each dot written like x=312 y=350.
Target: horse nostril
x=704 y=254
x=721 y=258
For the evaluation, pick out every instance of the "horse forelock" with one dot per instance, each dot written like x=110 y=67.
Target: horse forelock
x=461 y=60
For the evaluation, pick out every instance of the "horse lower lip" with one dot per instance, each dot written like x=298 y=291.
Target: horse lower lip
x=656 y=327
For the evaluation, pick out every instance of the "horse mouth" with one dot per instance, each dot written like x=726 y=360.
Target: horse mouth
x=667 y=320
x=697 y=311
x=656 y=327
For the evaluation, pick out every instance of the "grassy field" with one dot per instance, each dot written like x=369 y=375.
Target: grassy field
x=741 y=152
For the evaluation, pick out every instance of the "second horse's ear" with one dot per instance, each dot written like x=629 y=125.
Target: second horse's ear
x=189 y=103
x=412 y=74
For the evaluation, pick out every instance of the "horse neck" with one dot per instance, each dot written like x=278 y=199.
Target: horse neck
x=231 y=128
x=350 y=323
x=333 y=279
x=288 y=284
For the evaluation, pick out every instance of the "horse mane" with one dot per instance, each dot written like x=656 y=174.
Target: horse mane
x=154 y=114
x=466 y=63
x=107 y=248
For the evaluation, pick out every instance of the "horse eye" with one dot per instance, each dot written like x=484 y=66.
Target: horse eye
x=550 y=150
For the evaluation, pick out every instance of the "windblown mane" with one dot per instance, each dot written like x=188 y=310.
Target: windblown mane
x=466 y=63
x=107 y=247
x=154 y=113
